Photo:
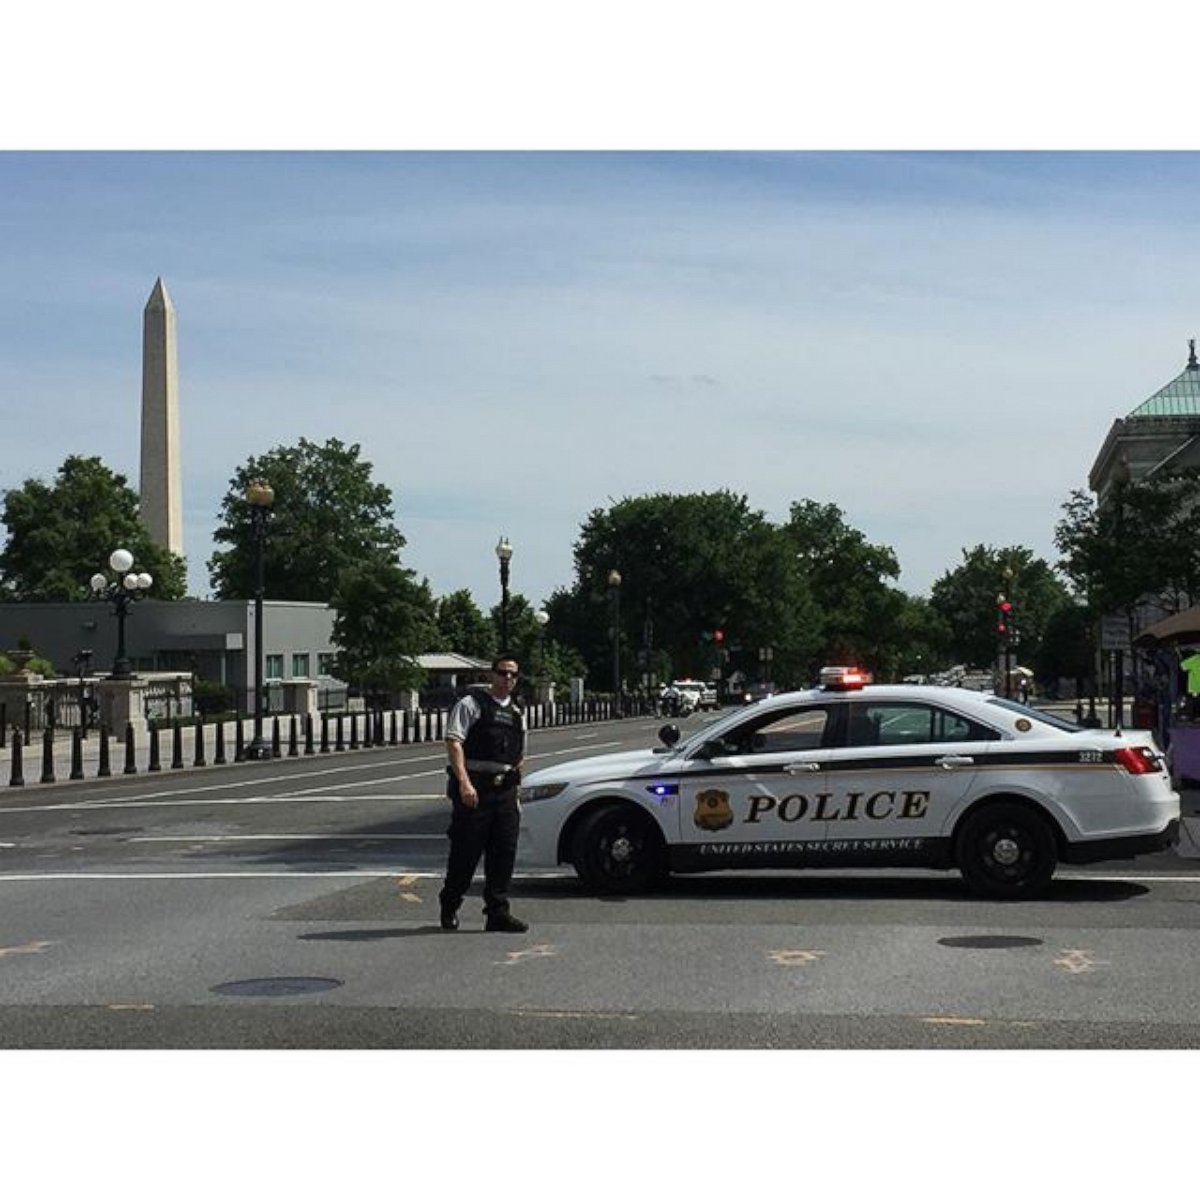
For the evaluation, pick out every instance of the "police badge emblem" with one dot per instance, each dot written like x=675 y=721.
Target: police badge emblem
x=712 y=810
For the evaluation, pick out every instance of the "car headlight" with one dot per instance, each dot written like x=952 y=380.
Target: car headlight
x=541 y=791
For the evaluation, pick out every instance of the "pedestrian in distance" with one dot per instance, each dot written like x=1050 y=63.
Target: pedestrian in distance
x=485 y=743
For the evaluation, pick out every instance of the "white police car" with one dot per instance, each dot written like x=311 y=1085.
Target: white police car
x=851 y=775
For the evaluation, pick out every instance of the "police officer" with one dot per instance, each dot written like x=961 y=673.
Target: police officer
x=485 y=742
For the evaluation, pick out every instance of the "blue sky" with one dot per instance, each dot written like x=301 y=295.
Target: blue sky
x=936 y=342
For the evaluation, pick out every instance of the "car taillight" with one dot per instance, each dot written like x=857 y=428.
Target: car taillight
x=1137 y=760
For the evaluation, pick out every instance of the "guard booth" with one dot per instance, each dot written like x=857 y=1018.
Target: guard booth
x=1174 y=704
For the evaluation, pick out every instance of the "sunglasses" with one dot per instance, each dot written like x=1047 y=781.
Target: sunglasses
x=506 y=674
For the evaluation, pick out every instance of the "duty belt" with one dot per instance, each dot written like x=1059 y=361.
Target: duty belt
x=494 y=775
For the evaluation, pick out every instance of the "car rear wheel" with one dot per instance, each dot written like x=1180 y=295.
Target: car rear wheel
x=618 y=850
x=1007 y=852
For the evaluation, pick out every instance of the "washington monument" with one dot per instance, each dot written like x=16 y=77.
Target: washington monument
x=160 y=491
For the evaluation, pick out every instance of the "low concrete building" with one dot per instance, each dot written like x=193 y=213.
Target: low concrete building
x=213 y=639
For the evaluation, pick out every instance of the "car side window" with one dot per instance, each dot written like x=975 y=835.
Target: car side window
x=781 y=733
x=900 y=724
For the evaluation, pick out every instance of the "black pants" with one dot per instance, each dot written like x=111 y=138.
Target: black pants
x=489 y=830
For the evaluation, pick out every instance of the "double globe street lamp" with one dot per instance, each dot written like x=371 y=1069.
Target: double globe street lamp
x=121 y=592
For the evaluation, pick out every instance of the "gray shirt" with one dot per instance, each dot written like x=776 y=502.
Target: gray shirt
x=464 y=714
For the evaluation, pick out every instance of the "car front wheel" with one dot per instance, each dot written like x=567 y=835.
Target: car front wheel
x=1007 y=852
x=618 y=851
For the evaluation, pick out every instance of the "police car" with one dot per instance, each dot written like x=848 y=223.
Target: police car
x=854 y=775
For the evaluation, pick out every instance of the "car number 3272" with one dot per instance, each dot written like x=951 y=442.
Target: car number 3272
x=853 y=775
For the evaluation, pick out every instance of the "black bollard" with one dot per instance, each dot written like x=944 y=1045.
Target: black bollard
x=405 y=735
x=354 y=731
x=276 y=751
x=239 y=742
x=198 y=759
x=177 y=747
x=130 y=763
x=293 y=741
x=77 y=753
x=324 y=733
x=368 y=740
x=416 y=725
x=219 y=754
x=48 y=756
x=392 y=732
x=308 y=733
x=440 y=718
x=155 y=750
x=339 y=745
x=17 y=778
x=429 y=726
x=104 y=769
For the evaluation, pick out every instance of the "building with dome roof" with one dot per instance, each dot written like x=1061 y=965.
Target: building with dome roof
x=1161 y=434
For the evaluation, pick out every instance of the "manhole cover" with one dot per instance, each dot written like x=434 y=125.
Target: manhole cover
x=989 y=942
x=282 y=986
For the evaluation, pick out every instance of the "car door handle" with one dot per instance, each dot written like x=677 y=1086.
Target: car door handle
x=800 y=768
x=949 y=761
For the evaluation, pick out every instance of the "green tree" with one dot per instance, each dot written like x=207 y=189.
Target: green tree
x=1067 y=649
x=859 y=613
x=328 y=515
x=920 y=641
x=61 y=533
x=966 y=600
x=1143 y=541
x=462 y=627
x=689 y=565
x=384 y=619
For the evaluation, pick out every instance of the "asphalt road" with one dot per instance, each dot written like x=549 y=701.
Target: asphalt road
x=293 y=904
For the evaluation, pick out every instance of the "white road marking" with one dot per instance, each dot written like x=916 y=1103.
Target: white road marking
x=296 y=837
x=134 y=877
x=117 y=805
x=164 y=799
x=27 y=948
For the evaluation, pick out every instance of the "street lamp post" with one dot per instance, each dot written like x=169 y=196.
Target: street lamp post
x=614 y=587
x=260 y=495
x=542 y=619
x=121 y=592
x=504 y=553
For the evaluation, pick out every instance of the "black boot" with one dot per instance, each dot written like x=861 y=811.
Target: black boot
x=449 y=918
x=505 y=923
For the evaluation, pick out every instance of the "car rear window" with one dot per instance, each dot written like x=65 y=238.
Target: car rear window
x=1036 y=714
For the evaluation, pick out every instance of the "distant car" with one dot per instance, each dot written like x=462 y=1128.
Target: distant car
x=703 y=696
x=755 y=692
x=851 y=775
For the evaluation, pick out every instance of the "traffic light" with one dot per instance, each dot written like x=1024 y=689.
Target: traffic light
x=1004 y=616
x=718 y=636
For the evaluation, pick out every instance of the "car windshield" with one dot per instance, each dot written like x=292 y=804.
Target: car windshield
x=1035 y=714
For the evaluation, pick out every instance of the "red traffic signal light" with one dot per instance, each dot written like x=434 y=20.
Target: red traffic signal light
x=1004 y=614
x=718 y=636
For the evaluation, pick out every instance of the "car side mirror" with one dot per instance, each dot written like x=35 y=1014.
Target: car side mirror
x=669 y=735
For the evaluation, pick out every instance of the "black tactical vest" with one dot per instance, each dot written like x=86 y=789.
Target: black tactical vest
x=498 y=735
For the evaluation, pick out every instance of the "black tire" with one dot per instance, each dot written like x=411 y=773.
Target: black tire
x=1007 y=852
x=618 y=851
